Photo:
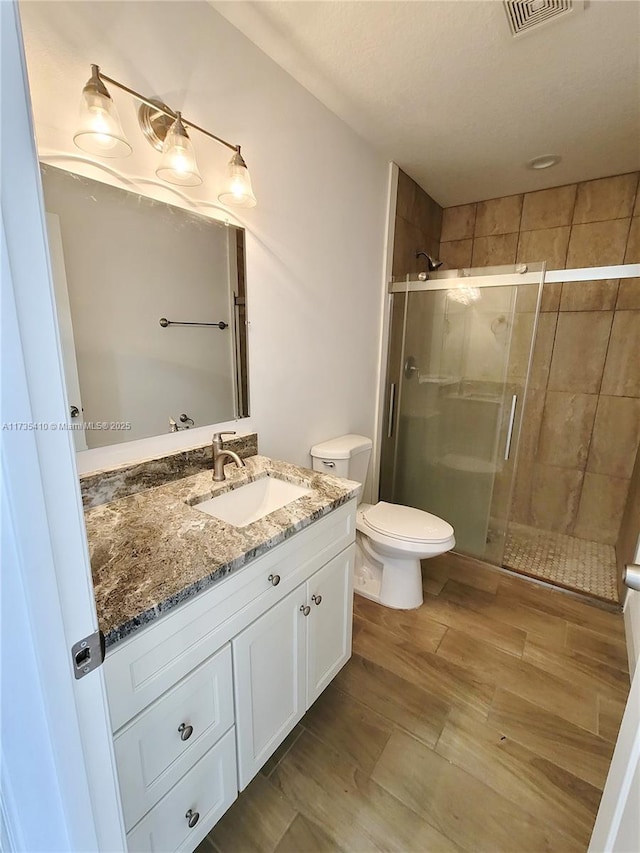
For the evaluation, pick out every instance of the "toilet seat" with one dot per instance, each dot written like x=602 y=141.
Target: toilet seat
x=405 y=523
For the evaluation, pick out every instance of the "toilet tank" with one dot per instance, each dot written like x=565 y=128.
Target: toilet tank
x=345 y=456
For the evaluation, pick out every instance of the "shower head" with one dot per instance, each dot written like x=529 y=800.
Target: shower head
x=432 y=263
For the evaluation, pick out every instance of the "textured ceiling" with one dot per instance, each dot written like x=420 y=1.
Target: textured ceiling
x=442 y=88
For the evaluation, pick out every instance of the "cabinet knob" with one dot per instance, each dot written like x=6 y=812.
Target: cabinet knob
x=317 y=599
x=275 y=579
x=185 y=731
x=192 y=818
x=304 y=608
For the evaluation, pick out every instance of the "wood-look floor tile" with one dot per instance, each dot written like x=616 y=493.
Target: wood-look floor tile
x=352 y=729
x=551 y=629
x=464 y=569
x=460 y=806
x=582 y=753
x=412 y=626
x=538 y=786
x=494 y=667
x=355 y=811
x=597 y=647
x=256 y=822
x=271 y=763
x=560 y=604
x=434 y=577
x=474 y=623
x=305 y=836
x=610 y=711
x=396 y=698
x=205 y=846
x=575 y=668
x=447 y=681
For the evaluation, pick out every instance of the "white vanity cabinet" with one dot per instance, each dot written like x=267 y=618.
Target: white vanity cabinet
x=285 y=659
x=200 y=698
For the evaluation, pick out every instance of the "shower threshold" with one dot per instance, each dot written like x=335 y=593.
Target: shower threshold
x=566 y=561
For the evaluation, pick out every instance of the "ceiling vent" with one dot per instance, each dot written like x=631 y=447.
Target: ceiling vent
x=527 y=15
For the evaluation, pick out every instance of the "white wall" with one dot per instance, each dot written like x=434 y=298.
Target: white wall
x=129 y=261
x=315 y=240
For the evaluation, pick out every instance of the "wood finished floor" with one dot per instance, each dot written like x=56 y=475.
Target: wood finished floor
x=484 y=721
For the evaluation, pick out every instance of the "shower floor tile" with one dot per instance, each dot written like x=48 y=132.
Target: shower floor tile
x=567 y=561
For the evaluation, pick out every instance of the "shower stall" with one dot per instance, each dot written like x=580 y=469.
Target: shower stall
x=470 y=418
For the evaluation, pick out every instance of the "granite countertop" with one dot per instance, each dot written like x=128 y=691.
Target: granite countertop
x=153 y=550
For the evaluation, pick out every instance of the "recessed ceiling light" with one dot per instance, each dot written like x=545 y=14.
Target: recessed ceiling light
x=545 y=162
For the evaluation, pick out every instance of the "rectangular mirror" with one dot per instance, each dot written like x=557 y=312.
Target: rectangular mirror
x=152 y=310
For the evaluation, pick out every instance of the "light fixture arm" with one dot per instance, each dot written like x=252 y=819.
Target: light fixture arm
x=168 y=112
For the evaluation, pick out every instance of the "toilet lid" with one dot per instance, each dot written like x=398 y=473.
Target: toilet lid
x=405 y=522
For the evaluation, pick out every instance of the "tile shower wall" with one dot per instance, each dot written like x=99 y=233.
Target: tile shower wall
x=582 y=425
x=418 y=223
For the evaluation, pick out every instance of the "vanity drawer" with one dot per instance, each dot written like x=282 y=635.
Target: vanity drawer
x=140 y=669
x=161 y=744
x=207 y=791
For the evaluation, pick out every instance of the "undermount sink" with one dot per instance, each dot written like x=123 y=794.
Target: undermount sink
x=252 y=501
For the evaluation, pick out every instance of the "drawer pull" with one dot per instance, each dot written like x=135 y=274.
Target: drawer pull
x=192 y=818
x=275 y=579
x=185 y=731
x=304 y=608
x=317 y=599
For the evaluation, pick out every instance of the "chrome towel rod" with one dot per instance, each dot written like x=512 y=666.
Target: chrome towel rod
x=164 y=323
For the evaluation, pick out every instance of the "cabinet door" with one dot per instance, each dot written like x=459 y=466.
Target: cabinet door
x=270 y=694
x=330 y=596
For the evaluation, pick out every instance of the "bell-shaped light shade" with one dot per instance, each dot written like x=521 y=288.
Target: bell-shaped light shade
x=100 y=131
x=178 y=164
x=236 y=188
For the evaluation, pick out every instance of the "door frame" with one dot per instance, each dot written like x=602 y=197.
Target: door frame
x=44 y=529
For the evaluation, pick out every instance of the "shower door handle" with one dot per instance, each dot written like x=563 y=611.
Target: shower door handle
x=512 y=417
x=392 y=406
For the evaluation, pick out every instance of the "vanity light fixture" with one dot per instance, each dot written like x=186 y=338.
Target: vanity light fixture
x=100 y=133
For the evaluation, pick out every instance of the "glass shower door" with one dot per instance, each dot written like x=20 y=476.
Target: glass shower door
x=466 y=352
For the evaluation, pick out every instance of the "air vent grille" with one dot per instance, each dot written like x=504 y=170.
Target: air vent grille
x=526 y=15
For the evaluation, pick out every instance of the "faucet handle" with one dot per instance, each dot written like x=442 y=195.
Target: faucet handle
x=217 y=436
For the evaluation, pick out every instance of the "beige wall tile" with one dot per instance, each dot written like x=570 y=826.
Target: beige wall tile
x=494 y=251
x=551 y=292
x=601 y=507
x=427 y=214
x=406 y=195
x=549 y=244
x=548 y=208
x=579 y=351
x=632 y=255
x=555 y=497
x=543 y=350
x=616 y=434
x=498 y=216
x=566 y=429
x=606 y=198
x=622 y=369
x=527 y=449
x=598 y=244
x=458 y=222
x=589 y=295
x=456 y=254
x=406 y=240
x=636 y=209
x=628 y=294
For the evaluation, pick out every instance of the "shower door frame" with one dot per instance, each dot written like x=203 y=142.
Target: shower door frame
x=388 y=410
x=503 y=276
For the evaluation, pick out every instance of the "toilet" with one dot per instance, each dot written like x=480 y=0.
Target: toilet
x=390 y=539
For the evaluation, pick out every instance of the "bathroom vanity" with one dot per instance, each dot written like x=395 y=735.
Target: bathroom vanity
x=219 y=637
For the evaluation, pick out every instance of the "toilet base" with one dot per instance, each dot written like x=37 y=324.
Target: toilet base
x=391 y=582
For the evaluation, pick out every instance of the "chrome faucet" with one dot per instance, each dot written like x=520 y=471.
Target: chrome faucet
x=220 y=455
